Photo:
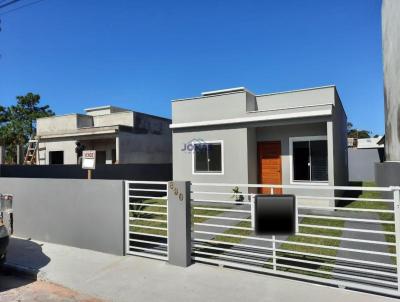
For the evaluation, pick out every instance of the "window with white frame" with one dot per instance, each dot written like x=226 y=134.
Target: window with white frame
x=207 y=157
x=309 y=159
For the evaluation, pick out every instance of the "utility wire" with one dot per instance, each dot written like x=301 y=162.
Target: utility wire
x=9 y=3
x=20 y=7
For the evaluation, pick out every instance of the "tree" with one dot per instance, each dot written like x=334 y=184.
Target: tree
x=18 y=122
x=355 y=133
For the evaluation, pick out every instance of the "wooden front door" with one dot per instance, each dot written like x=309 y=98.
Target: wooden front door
x=269 y=165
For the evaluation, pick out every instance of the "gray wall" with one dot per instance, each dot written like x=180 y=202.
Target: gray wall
x=145 y=148
x=339 y=140
x=234 y=155
x=391 y=65
x=80 y=213
x=156 y=172
x=362 y=163
x=243 y=104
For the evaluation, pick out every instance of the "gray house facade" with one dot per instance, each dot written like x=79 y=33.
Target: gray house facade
x=234 y=136
x=120 y=136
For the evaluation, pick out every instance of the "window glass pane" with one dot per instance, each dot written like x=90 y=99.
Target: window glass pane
x=301 y=155
x=319 y=160
x=200 y=158
x=215 y=157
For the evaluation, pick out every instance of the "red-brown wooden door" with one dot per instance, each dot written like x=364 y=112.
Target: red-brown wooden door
x=269 y=165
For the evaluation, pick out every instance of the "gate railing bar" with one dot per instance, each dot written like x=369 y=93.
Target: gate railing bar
x=345 y=229
x=147 y=234
x=149 y=250
x=148 y=190
x=148 y=197
x=222 y=218
x=343 y=284
x=151 y=242
x=274 y=240
x=147 y=212
x=346 y=239
x=321 y=256
x=221 y=209
x=345 y=209
x=150 y=227
x=146 y=219
x=356 y=269
x=305 y=187
x=347 y=219
x=148 y=204
x=396 y=196
x=305 y=197
x=277 y=264
x=147 y=182
x=302 y=253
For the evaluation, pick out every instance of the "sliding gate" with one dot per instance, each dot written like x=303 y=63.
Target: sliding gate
x=146 y=219
x=347 y=241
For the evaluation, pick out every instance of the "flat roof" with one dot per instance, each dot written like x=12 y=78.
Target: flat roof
x=105 y=107
x=244 y=89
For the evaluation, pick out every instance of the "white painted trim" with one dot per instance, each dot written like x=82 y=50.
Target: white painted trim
x=222 y=91
x=292 y=107
x=222 y=158
x=254 y=119
x=304 y=139
x=298 y=90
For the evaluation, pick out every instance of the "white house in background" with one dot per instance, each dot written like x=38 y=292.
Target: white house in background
x=119 y=136
x=369 y=143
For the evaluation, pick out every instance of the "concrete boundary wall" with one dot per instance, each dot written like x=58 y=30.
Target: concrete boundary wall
x=86 y=214
x=362 y=163
x=154 y=172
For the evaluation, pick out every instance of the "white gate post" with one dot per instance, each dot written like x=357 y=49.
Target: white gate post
x=127 y=217
x=396 y=197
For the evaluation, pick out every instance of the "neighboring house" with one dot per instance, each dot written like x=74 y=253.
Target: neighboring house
x=119 y=136
x=233 y=136
x=363 y=157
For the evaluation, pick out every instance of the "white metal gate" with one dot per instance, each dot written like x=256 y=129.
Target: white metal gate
x=146 y=215
x=348 y=241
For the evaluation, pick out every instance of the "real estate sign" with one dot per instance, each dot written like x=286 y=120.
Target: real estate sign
x=89 y=159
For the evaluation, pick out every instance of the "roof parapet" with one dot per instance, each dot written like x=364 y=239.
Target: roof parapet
x=222 y=91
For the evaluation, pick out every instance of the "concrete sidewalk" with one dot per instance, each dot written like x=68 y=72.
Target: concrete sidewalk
x=130 y=278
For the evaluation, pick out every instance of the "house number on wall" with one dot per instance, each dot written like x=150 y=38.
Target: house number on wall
x=176 y=191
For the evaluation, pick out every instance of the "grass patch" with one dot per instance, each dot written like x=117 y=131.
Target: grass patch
x=382 y=216
x=314 y=250
x=206 y=212
x=243 y=224
x=151 y=206
x=158 y=211
x=299 y=248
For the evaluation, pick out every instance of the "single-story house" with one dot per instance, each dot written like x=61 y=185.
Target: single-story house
x=234 y=136
x=120 y=136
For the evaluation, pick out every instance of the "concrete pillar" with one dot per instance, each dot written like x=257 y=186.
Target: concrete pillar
x=2 y=154
x=179 y=223
x=331 y=160
x=117 y=150
x=391 y=67
x=19 y=155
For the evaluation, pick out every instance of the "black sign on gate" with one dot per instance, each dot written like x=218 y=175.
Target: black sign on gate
x=275 y=214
